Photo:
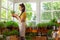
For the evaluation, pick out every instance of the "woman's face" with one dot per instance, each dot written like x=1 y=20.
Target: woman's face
x=20 y=8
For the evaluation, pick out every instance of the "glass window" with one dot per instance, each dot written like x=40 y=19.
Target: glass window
x=56 y=5
x=46 y=6
x=46 y=16
x=50 y=10
x=46 y=11
x=3 y=13
x=9 y=16
x=31 y=10
x=17 y=8
x=6 y=8
x=10 y=5
x=4 y=3
x=56 y=14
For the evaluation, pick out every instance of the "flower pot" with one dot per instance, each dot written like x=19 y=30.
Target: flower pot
x=0 y=31
x=28 y=30
x=13 y=37
x=39 y=38
x=13 y=14
x=34 y=30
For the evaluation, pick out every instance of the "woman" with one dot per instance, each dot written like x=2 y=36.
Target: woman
x=22 y=19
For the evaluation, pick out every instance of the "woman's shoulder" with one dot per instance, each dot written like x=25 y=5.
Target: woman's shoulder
x=24 y=12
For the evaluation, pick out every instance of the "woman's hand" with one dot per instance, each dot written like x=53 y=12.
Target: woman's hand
x=14 y=15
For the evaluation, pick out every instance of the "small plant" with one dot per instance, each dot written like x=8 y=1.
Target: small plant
x=9 y=33
x=11 y=24
x=6 y=33
x=2 y=25
x=14 y=32
x=54 y=20
x=42 y=24
x=30 y=24
x=51 y=23
x=1 y=39
x=12 y=12
x=49 y=32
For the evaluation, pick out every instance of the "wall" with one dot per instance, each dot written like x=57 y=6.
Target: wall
x=0 y=9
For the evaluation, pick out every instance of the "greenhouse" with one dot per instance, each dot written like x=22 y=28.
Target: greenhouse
x=29 y=19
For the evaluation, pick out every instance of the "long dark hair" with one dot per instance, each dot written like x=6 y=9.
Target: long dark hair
x=23 y=6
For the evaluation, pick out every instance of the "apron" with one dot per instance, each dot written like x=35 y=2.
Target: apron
x=22 y=29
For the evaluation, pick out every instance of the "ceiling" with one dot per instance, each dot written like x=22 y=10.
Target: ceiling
x=23 y=1
x=17 y=1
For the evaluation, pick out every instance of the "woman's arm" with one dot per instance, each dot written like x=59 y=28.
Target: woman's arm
x=16 y=16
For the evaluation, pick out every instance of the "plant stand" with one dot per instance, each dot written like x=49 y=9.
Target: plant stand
x=39 y=38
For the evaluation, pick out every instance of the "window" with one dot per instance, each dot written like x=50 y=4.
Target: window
x=6 y=7
x=31 y=10
x=4 y=3
x=50 y=10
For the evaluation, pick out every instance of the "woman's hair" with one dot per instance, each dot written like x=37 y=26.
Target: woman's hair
x=23 y=6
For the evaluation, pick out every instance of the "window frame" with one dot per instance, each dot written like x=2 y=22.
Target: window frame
x=7 y=9
x=47 y=10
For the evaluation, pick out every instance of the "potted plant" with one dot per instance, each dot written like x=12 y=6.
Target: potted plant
x=11 y=35
x=14 y=35
x=42 y=28
x=50 y=25
x=53 y=24
x=29 y=28
x=2 y=27
x=7 y=35
x=49 y=33
x=13 y=12
x=12 y=25
x=1 y=39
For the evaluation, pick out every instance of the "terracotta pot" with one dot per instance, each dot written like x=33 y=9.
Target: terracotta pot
x=13 y=37
x=34 y=30
x=29 y=29
x=34 y=38
x=13 y=14
x=39 y=38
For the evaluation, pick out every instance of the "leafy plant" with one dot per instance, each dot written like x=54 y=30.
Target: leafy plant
x=14 y=32
x=11 y=24
x=28 y=38
x=54 y=20
x=51 y=23
x=42 y=24
x=12 y=12
x=49 y=32
x=2 y=24
x=1 y=39
x=9 y=33
x=6 y=33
